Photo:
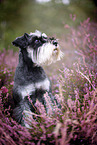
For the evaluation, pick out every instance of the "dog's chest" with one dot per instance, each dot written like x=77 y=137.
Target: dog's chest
x=29 y=89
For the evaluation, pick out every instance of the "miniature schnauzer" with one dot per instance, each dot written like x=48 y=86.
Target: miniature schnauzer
x=30 y=79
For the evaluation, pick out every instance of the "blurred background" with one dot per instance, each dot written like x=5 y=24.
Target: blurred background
x=49 y=16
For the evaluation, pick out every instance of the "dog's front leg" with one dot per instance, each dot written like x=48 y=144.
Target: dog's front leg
x=20 y=114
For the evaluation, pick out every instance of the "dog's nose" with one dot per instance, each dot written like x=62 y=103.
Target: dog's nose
x=55 y=42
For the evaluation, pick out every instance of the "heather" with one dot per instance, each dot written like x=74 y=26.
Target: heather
x=74 y=120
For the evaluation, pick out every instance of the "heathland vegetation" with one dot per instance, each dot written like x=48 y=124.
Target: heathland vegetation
x=75 y=122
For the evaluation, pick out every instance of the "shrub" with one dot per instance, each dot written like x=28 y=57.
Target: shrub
x=74 y=121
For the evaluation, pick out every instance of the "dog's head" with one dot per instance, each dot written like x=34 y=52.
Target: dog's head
x=40 y=48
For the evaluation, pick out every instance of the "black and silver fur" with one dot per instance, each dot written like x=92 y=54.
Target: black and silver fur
x=30 y=79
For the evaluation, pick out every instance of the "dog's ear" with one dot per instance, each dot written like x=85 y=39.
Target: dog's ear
x=22 y=41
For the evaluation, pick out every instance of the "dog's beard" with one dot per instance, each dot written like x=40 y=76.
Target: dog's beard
x=45 y=54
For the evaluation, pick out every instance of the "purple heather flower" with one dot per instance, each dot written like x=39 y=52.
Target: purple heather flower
x=4 y=90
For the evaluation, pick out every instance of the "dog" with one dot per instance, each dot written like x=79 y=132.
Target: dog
x=30 y=79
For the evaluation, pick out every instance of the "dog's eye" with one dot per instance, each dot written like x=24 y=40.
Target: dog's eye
x=37 y=41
